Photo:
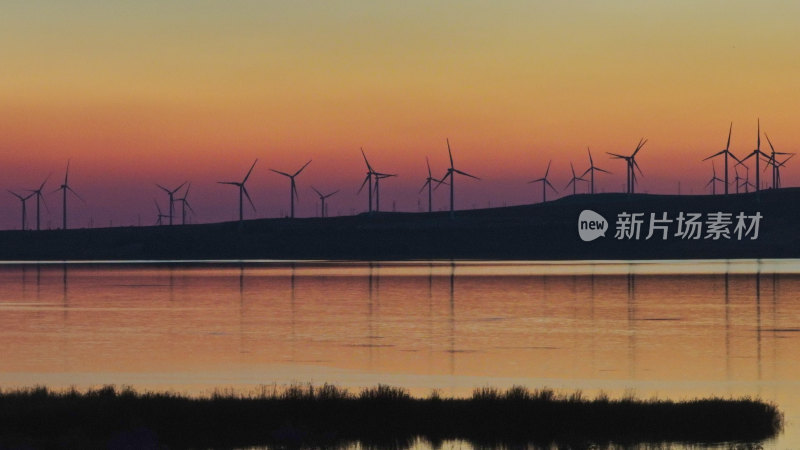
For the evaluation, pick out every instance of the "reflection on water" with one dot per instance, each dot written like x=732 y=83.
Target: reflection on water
x=677 y=329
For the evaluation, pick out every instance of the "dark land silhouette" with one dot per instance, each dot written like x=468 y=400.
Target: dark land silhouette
x=545 y=231
x=379 y=417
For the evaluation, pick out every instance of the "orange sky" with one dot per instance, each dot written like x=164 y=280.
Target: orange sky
x=146 y=93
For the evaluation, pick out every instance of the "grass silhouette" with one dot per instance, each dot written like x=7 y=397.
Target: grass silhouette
x=381 y=416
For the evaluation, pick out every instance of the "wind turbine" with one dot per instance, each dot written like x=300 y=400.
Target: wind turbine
x=322 y=198
x=171 y=193
x=727 y=153
x=292 y=187
x=451 y=173
x=160 y=215
x=378 y=177
x=429 y=184
x=545 y=183
x=714 y=179
x=592 y=169
x=242 y=190
x=747 y=182
x=776 y=166
x=758 y=154
x=185 y=204
x=367 y=180
x=64 y=188
x=574 y=180
x=24 y=208
x=631 y=164
x=39 y=197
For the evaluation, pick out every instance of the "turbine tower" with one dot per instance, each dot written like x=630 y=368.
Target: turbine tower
x=727 y=153
x=631 y=165
x=714 y=179
x=451 y=174
x=758 y=154
x=378 y=177
x=185 y=204
x=24 y=208
x=776 y=165
x=429 y=184
x=242 y=191
x=367 y=180
x=171 y=194
x=545 y=182
x=574 y=180
x=39 y=198
x=160 y=215
x=591 y=170
x=64 y=188
x=322 y=198
x=292 y=186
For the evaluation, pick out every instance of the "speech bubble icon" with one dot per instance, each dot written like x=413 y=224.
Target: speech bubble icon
x=591 y=225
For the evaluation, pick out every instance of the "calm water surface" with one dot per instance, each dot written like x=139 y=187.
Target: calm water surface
x=676 y=329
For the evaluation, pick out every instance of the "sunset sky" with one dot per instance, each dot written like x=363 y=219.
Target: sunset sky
x=146 y=92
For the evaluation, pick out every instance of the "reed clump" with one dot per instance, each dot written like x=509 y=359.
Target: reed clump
x=382 y=416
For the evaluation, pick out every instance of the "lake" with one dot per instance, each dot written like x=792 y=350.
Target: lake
x=676 y=329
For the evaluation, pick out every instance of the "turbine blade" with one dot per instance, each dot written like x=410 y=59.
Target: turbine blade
x=770 y=143
x=76 y=194
x=179 y=187
x=15 y=194
x=639 y=147
x=427 y=182
x=450 y=153
x=601 y=170
x=163 y=188
x=234 y=183
x=548 y=168
x=715 y=154
x=157 y=207
x=249 y=171
x=188 y=206
x=591 y=162
x=66 y=174
x=364 y=183
x=728 y=145
x=448 y=174
x=572 y=168
x=45 y=181
x=315 y=190
x=759 y=135
x=570 y=182
x=465 y=173
x=551 y=185
x=617 y=155
x=282 y=173
x=429 y=167
x=301 y=169
x=635 y=164
x=365 y=159
x=246 y=194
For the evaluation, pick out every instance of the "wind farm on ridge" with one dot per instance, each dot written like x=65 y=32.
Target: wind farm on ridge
x=579 y=182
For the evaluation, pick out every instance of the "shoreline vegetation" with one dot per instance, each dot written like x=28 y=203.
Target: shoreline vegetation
x=303 y=416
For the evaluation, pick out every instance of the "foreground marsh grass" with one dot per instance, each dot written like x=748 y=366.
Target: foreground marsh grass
x=384 y=416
